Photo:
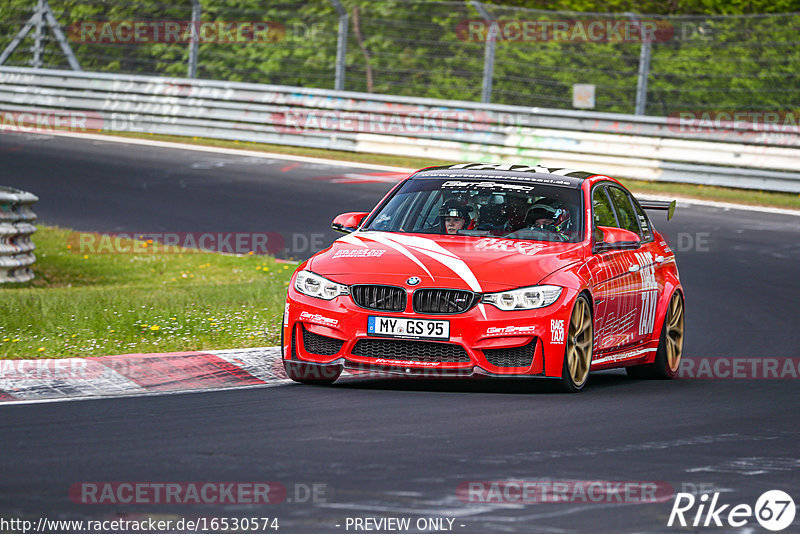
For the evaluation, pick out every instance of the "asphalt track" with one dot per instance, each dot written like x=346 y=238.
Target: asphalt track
x=402 y=448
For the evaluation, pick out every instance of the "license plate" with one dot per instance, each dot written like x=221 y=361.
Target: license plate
x=408 y=328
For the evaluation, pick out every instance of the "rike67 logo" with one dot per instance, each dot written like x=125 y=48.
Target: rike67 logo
x=774 y=510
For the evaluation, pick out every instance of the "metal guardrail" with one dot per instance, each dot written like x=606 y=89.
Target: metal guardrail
x=16 y=247
x=631 y=146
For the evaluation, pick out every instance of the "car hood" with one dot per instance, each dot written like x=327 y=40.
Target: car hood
x=462 y=262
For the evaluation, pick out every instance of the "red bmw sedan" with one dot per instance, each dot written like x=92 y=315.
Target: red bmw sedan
x=498 y=270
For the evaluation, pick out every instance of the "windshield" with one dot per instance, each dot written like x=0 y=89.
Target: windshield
x=481 y=207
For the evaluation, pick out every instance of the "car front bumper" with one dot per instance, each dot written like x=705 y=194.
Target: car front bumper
x=484 y=341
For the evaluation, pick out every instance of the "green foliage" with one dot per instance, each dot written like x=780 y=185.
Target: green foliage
x=419 y=48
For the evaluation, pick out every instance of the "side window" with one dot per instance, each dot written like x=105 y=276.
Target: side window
x=624 y=207
x=644 y=222
x=387 y=221
x=429 y=212
x=601 y=207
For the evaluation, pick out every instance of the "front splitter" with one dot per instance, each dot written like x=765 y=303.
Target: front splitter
x=411 y=371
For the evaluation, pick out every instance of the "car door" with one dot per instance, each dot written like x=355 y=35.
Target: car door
x=645 y=286
x=654 y=278
x=616 y=282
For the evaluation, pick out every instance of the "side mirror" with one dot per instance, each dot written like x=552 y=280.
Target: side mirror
x=348 y=222
x=608 y=238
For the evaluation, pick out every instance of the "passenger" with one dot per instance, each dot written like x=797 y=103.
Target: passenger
x=455 y=217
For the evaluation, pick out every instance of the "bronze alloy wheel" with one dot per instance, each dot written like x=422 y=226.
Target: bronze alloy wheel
x=674 y=333
x=670 y=345
x=578 y=355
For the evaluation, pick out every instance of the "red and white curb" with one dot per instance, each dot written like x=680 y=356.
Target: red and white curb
x=139 y=374
x=48 y=380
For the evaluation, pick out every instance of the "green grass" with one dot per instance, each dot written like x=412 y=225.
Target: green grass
x=99 y=304
x=719 y=194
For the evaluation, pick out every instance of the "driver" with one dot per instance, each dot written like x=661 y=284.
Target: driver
x=455 y=217
x=553 y=218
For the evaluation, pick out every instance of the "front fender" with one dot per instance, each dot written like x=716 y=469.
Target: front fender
x=575 y=280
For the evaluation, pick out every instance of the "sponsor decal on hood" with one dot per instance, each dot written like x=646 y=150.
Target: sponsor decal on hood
x=481 y=265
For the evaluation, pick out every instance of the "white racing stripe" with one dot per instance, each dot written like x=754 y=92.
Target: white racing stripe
x=435 y=251
x=399 y=248
x=352 y=239
x=402 y=243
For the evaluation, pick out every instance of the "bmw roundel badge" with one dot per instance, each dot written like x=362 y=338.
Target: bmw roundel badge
x=414 y=280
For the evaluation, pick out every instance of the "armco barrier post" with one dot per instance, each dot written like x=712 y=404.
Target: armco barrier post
x=16 y=247
x=488 y=52
x=197 y=10
x=341 y=45
x=644 y=68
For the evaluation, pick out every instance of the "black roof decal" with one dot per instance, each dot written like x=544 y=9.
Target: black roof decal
x=508 y=171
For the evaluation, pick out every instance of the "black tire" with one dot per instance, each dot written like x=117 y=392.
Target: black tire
x=578 y=347
x=305 y=373
x=317 y=375
x=670 y=346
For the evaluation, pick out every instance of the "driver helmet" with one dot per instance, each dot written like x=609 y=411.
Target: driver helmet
x=555 y=211
x=453 y=208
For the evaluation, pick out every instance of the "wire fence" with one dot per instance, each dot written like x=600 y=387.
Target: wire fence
x=461 y=50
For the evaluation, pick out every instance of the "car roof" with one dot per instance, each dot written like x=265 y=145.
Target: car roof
x=512 y=172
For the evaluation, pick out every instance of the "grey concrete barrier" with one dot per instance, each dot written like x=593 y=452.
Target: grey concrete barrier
x=733 y=154
x=16 y=228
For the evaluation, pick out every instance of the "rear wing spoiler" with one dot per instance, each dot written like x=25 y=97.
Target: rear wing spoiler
x=660 y=205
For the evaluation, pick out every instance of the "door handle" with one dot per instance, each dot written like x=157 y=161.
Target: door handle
x=660 y=259
x=633 y=268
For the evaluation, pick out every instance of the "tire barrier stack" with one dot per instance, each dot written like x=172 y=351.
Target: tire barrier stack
x=16 y=227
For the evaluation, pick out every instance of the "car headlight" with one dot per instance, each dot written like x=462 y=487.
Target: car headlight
x=524 y=298
x=314 y=285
